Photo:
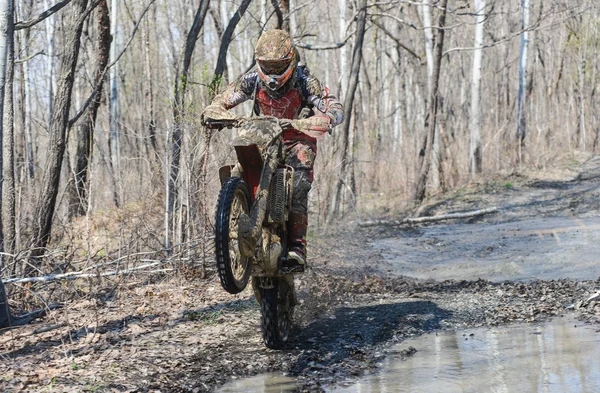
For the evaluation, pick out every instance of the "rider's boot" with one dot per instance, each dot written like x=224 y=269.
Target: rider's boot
x=297 y=225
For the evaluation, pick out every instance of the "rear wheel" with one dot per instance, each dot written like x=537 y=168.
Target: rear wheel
x=277 y=308
x=234 y=269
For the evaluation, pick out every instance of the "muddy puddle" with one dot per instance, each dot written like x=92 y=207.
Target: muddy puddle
x=560 y=356
x=267 y=383
x=545 y=248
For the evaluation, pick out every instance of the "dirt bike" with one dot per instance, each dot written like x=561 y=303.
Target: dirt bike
x=251 y=223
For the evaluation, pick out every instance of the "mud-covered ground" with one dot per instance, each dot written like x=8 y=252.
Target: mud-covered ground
x=179 y=335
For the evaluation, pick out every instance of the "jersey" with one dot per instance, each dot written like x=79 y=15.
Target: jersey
x=306 y=92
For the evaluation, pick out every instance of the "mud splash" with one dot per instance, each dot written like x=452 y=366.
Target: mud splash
x=560 y=356
x=544 y=248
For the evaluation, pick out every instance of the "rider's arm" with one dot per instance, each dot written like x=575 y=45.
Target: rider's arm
x=238 y=91
x=321 y=98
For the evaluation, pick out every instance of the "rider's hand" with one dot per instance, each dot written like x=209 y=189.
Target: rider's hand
x=286 y=124
x=214 y=113
x=314 y=126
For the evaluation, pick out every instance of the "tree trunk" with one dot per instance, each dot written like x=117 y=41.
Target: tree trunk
x=8 y=142
x=85 y=130
x=223 y=50
x=150 y=92
x=428 y=33
x=46 y=203
x=26 y=100
x=6 y=37
x=521 y=118
x=421 y=185
x=475 y=154
x=348 y=105
x=229 y=70
x=114 y=140
x=52 y=83
x=5 y=314
x=285 y=11
x=343 y=50
x=178 y=111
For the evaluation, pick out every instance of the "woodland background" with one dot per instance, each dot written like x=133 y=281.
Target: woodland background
x=107 y=171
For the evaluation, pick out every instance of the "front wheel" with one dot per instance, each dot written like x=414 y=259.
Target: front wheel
x=234 y=269
x=277 y=308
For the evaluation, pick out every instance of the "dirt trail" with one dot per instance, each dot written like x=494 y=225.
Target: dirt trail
x=188 y=336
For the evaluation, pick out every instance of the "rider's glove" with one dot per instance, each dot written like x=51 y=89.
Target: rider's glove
x=314 y=126
x=215 y=113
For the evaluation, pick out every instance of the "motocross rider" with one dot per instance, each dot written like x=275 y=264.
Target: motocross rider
x=284 y=88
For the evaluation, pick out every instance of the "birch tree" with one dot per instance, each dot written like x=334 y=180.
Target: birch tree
x=475 y=154
x=343 y=50
x=428 y=33
x=521 y=117
x=114 y=103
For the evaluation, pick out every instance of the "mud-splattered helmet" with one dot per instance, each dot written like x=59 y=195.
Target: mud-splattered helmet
x=276 y=59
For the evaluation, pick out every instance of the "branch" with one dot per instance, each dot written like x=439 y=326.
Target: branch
x=87 y=102
x=74 y=275
x=536 y=26
x=401 y=21
x=420 y=220
x=32 y=22
x=325 y=47
x=396 y=39
x=19 y=61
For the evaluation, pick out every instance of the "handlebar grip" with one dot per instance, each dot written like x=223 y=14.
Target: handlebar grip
x=220 y=124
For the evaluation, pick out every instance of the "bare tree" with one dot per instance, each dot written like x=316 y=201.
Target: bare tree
x=8 y=142
x=179 y=111
x=224 y=48
x=475 y=120
x=521 y=117
x=46 y=202
x=421 y=185
x=50 y=22
x=348 y=106
x=114 y=141
x=85 y=129
x=6 y=46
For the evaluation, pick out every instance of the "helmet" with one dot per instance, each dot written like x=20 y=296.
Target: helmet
x=276 y=58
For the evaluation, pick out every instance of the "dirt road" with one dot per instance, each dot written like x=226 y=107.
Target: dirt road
x=179 y=335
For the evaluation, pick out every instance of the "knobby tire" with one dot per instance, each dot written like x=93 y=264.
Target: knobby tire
x=276 y=317
x=232 y=187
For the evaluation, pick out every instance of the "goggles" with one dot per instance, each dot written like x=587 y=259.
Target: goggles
x=274 y=73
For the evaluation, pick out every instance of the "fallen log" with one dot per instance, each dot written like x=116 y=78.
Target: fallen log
x=420 y=220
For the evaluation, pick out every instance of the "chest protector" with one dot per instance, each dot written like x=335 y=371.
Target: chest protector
x=283 y=108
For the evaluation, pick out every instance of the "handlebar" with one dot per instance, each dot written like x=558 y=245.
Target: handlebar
x=313 y=126
x=220 y=124
x=228 y=123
